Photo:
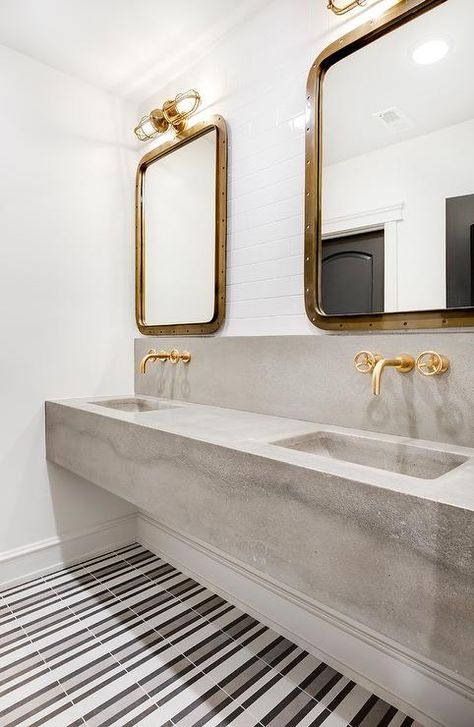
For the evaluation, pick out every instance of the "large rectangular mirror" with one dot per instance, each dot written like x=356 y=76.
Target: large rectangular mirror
x=181 y=217
x=390 y=172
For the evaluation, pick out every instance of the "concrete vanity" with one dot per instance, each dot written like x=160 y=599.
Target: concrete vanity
x=389 y=545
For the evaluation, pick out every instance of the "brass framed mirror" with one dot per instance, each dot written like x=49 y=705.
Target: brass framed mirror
x=181 y=199
x=389 y=186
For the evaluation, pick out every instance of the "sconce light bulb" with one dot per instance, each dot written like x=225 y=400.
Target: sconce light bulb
x=187 y=103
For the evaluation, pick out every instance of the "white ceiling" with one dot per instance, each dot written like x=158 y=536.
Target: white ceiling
x=383 y=75
x=117 y=44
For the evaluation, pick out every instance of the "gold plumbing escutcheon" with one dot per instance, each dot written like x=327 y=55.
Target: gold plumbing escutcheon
x=173 y=356
x=364 y=361
x=431 y=363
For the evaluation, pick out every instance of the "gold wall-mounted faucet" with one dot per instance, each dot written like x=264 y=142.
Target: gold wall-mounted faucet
x=173 y=356
x=367 y=362
x=403 y=363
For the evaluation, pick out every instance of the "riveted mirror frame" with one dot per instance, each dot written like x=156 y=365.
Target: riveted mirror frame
x=403 y=12
x=193 y=132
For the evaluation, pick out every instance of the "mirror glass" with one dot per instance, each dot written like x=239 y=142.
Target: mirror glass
x=398 y=169
x=179 y=234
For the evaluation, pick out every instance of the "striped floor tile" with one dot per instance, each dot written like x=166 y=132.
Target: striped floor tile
x=125 y=639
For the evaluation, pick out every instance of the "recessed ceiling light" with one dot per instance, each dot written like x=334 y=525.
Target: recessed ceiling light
x=430 y=51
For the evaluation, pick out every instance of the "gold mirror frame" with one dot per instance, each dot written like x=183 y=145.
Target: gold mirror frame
x=401 y=13
x=216 y=123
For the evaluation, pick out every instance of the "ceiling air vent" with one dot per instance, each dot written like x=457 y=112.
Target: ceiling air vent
x=394 y=120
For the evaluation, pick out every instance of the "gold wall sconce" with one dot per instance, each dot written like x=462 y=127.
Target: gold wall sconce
x=341 y=11
x=174 y=356
x=174 y=114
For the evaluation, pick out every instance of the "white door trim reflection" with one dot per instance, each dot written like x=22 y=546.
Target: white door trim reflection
x=386 y=218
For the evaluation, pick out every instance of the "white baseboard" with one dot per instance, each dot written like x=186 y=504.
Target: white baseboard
x=46 y=555
x=429 y=693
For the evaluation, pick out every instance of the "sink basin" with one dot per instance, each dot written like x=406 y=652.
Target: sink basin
x=404 y=459
x=134 y=404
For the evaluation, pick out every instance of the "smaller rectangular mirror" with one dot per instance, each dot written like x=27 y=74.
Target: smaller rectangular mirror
x=181 y=233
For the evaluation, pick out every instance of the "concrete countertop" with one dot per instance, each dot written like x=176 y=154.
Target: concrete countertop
x=257 y=433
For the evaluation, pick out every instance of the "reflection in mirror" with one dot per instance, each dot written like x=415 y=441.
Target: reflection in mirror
x=179 y=206
x=181 y=233
x=398 y=170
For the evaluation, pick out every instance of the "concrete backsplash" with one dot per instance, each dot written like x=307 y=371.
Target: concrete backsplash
x=312 y=378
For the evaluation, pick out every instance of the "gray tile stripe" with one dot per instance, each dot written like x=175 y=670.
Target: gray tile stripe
x=93 y=671
x=97 y=601
x=237 y=647
x=239 y=627
x=29 y=706
x=60 y=572
x=140 y=558
x=134 y=647
x=120 y=629
x=130 y=584
x=295 y=703
x=142 y=715
x=200 y=625
x=126 y=581
x=327 y=711
x=107 y=625
x=117 y=706
x=55 y=650
x=244 y=677
x=17 y=605
x=180 y=668
x=97 y=686
x=217 y=703
x=208 y=647
x=20 y=666
x=391 y=712
x=25 y=680
x=59 y=710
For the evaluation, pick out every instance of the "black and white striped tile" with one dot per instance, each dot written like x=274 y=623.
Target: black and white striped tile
x=125 y=639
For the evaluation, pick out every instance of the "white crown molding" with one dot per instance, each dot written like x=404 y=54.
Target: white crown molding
x=363 y=221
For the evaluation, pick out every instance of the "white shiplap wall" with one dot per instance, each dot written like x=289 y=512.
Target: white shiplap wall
x=256 y=78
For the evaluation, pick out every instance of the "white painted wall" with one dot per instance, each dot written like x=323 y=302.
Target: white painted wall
x=66 y=292
x=421 y=173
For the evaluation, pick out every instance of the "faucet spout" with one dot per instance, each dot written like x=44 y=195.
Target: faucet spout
x=402 y=363
x=150 y=356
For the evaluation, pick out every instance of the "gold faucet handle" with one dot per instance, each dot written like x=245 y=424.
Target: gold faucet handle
x=175 y=356
x=431 y=363
x=365 y=361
